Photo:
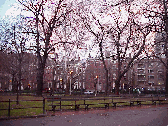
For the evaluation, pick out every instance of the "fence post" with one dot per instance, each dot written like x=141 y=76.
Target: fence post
x=9 y=109
x=43 y=105
x=60 y=104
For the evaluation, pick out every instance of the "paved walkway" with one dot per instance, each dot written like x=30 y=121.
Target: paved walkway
x=134 y=116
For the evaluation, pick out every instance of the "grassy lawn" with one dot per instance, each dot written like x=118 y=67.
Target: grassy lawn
x=37 y=111
x=22 y=104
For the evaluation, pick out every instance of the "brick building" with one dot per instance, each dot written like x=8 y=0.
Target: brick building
x=150 y=74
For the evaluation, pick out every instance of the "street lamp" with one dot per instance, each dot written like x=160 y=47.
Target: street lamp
x=129 y=90
x=70 y=80
x=96 y=84
x=60 y=82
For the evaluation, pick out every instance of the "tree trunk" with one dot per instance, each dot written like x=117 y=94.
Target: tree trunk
x=104 y=64
x=166 y=42
x=107 y=84
x=40 y=73
x=20 y=75
x=117 y=85
x=67 y=86
x=13 y=83
x=166 y=85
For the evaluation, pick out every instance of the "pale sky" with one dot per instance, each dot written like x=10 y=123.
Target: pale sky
x=4 y=6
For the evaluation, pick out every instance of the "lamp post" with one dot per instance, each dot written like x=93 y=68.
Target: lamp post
x=96 y=84
x=98 y=88
x=70 y=81
x=129 y=90
x=60 y=83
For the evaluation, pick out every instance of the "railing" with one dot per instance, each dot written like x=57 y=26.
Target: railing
x=9 y=105
x=106 y=101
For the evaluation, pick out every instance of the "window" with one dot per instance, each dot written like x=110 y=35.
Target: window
x=150 y=71
x=160 y=76
x=151 y=83
x=141 y=77
x=140 y=65
x=160 y=71
x=150 y=64
x=151 y=77
x=140 y=71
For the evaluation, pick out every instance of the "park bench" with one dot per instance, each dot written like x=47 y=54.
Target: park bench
x=106 y=104
x=89 y=104
x=131 y=102
x=60 y=99
x=57 y=98
x=86 y=105
x=154 y=100
x=157 y=100
x=52 y=99
x=139 y=102
x=115 y=103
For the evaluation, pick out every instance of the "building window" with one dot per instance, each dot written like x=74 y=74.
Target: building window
x=141 y=77
x=160 y=76
x=150 y=71
x=151 y=77
x=140 y=65
x=140 y=71
x=151 y=83
x=150 y=64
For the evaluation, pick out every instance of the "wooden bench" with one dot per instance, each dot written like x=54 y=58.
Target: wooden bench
x=52 y=99
x=131 y=102
x=154 y=100
x=106 y=105
x=87 y=105
x=159 y=100
x=56 y=98
x=139 y=102
x=115 y=103
x=60 y=99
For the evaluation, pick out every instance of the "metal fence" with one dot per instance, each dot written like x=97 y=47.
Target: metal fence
x=9 y=105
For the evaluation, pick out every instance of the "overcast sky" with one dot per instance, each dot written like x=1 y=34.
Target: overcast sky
x=4 y=6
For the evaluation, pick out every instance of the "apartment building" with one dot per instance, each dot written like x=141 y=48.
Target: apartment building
x=58 y=75
x=95 y=74
x=149 y=74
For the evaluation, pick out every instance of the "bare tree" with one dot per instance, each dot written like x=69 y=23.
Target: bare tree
x=13 y=44
x=156 y=11
x=44 y=26
x=53 y=28
x=124 y=36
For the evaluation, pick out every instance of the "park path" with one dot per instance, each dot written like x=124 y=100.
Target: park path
x=134 y=116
